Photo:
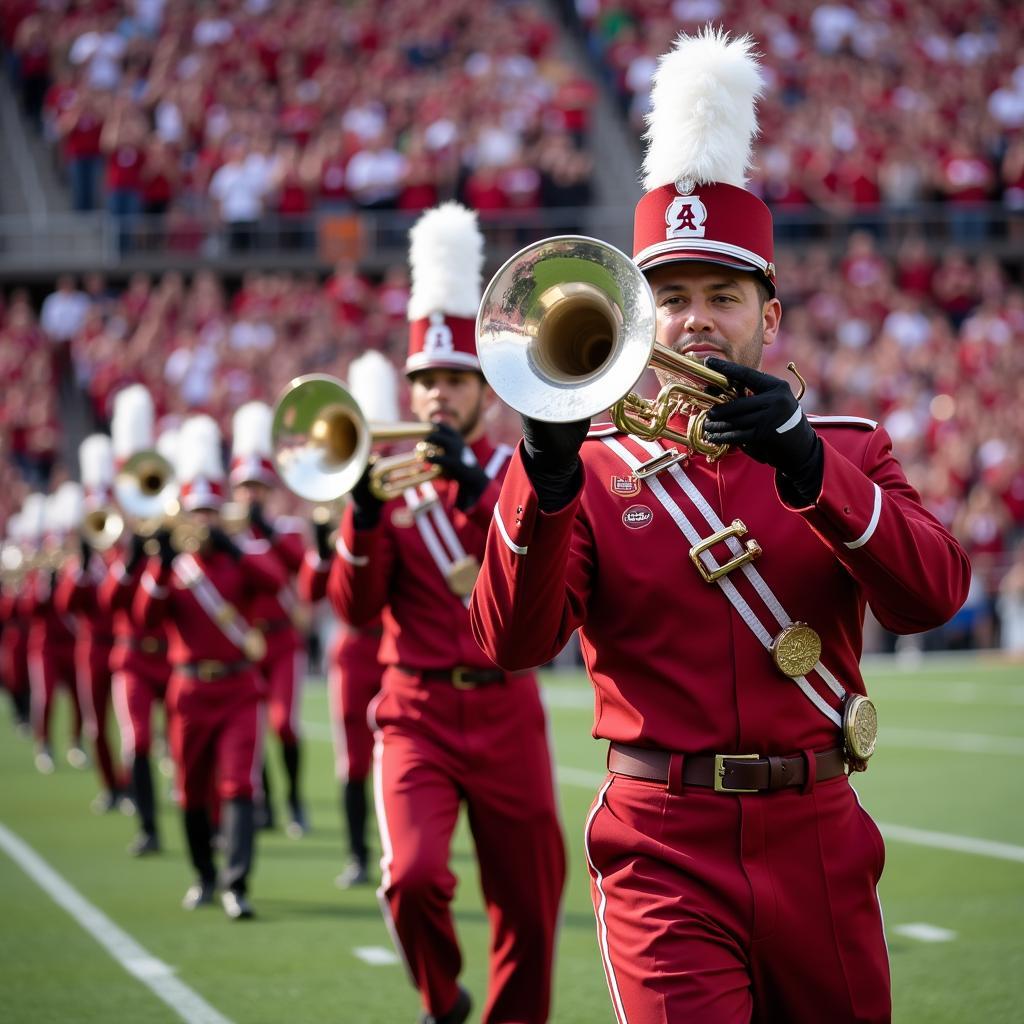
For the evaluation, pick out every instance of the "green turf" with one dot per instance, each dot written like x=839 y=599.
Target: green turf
x=296 y=963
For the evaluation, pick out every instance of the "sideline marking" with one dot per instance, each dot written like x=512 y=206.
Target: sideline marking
x=157 y=976
x=925 y=932
x=952 y=742
x=376 y=956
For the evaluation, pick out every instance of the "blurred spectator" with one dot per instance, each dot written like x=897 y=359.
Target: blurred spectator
x=1011 y=604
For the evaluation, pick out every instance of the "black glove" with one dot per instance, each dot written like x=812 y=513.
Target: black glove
x=472 y=480
x=220 y=541
x=167 y=552
x=84 y=551
x=322 y=531
x=769 y=426
x=136 y=553
x=259 y=521
x=552 y=459
x=366 y=506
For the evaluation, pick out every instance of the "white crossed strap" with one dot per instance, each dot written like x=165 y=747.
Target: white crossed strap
x=758 y=582
x=220 y=611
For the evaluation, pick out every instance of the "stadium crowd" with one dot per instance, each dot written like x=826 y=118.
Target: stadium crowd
x=894 y=103
x=243 y=109
x=924 y=346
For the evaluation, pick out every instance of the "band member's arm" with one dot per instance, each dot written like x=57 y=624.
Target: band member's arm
x=914 y=573
x=534 y=584
x=117 y=590
x=152 y=598
x=359 y=581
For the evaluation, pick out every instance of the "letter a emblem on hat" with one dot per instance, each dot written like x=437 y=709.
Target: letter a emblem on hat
x=438 y=338
x=685 y=217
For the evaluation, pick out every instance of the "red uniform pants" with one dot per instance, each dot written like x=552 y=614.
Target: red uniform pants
x=48 y=669
x=92 y=663
x=135 y=695
x=437 y=746
x=730 y=909
x=353 y=680
x=215 y=732
x=284 y=673
x=14 y=660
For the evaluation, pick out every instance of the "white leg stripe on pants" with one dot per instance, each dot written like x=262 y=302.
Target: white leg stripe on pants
x=123 y=716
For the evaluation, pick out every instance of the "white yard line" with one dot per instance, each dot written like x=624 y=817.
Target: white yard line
x=924 y=932
x=157 y=976
x=376 y=956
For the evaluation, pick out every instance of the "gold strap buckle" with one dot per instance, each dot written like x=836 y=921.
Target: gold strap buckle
x=736 y=529
x=720 y=759
x=209 y=671
x=459 y=680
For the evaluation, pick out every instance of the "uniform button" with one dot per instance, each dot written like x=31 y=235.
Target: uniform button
x=519 y=510
x=846 y=509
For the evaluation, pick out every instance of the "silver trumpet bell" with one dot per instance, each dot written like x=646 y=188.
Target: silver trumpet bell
x=102 y=527
x=322 y=443
x=145 y=488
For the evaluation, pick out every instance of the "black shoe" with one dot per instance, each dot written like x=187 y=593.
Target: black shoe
x=456 y=1015
x=198 y=895
x=103 y=803
x=143 y=844
x=299 y=824
x=355 y=873
x=236 y=905
x=263 y=817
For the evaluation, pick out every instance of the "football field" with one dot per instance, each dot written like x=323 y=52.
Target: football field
x=88 y=934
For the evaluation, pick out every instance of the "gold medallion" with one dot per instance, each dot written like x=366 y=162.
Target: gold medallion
x=860 y=730
x=796 y=650
x=254 y=646
x=462 y=574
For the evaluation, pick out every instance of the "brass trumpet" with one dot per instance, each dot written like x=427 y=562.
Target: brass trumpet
x=145 y=488
x=565 y=330
x=322 y=443
x=102 y=527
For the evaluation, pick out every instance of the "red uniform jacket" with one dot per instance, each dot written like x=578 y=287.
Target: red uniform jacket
x=673 y=663
x=163 y=596
x=391 y=569
x=77 y=596
x=274 y=614
x=138 y=650
x=49 y=632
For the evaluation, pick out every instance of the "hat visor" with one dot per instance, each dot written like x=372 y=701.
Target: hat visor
x=460 y=362
x=703 y=256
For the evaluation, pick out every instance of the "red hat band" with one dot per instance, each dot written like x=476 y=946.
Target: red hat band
x=440 y=341
x=252 y=469
x=714 y=223
x=202 y=493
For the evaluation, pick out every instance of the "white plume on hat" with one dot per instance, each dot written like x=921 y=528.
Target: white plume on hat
x=96 y=462
x=70 y=506
x=167 y=445
x=131 y=426
x=33 y=515
x=199 y=454
x=250 y=430
x=446 y=256
x=373 y=381
x=702 y=120
x=53 y=515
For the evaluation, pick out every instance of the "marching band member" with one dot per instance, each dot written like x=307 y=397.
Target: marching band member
x=139 y=667
x=51 y=636
x=214 y=695
x=14 y=640
x=354 y=672
x=733 y=870
x=450 y=726
x=77 y=597
x=278 y=616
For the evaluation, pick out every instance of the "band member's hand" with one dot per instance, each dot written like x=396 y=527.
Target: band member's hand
x=259 y=521
x=322 y=531
x=366 y=506
x=769 y=426
x=553 y=459
x=220 y=541
x=84 y=551
x=136 y=552
x=472 y=480
x=167 y=552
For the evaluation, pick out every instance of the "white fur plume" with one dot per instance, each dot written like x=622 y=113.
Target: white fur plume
x=33 y=514
x=167 y=445
x=373 y=381
x=131 y=426
x=250 y=430
x=199 y=454
x=70 y=506
x=446 y=256
x=702 y=121
x=96 y=462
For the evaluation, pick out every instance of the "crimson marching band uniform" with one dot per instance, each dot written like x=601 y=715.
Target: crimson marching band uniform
x=733 y=869
x=450 y=726
x=14 y=654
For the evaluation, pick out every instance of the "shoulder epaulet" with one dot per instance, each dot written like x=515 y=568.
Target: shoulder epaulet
x=860 y=422
x=602 y=430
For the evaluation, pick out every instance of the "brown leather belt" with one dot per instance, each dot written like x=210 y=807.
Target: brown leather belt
x=461 y=678
x=726 y=773
x=209 y=671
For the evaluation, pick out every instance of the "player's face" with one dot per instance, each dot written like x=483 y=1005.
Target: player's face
x=707 y=310
x=250 y=493
x=455 y=397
